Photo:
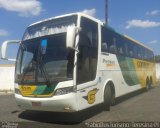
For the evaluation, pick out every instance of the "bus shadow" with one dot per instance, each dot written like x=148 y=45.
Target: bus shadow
x=59 y=117
x=129 y=96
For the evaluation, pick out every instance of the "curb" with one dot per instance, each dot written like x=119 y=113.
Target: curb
x=6 y=92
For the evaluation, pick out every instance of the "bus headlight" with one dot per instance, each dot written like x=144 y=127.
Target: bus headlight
x=66 y=90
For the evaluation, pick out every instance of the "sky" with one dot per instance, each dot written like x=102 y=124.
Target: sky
x=139 y=19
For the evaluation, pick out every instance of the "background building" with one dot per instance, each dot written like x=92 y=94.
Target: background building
x=7 y=77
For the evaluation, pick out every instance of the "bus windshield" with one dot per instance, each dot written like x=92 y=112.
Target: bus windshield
x=44 y=58
x=43 y=55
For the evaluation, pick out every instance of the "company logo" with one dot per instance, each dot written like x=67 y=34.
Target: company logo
x=109 y=63
x=91 y=96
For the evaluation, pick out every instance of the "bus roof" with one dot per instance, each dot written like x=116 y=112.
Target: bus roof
x=56 y=17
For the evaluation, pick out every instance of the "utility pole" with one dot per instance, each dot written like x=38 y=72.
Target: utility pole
x=106 y=12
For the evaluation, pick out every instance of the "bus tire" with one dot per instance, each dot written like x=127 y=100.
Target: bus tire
x=107 y=98
x=113 y=99
x=147 y=84
x=150 y=82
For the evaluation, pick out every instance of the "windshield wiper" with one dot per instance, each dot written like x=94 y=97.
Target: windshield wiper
x=36 y=62
x=45 y=74
x=42 y=68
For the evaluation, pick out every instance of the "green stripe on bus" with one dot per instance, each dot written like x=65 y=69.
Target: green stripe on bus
x=40 y=89
x=128 y=70
x=44 y=89
x=49 y=89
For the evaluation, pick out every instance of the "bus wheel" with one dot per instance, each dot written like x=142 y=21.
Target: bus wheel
x=150 y=82
x=107 y=98
x=147 y=84
x=113 y=100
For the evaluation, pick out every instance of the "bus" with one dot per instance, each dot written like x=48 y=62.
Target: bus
x=73 y=62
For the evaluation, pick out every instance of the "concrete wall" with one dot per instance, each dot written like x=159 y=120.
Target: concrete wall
x=7 y=77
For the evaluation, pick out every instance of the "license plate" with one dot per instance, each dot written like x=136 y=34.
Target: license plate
x=36 y=104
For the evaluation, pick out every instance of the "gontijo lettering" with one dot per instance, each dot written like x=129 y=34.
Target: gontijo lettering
x=141 y=64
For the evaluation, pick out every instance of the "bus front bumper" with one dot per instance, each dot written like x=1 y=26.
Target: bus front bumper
x=62 y=103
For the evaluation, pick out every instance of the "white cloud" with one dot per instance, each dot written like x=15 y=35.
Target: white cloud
x=91 y=12
x=141 y=24
x=3 y=32
x=153 y=13
x=24 y=8
x=153 y=42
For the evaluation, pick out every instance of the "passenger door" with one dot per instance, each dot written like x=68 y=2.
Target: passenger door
x=87 y=63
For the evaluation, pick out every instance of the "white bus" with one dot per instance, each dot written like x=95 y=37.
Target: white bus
x=72 y=62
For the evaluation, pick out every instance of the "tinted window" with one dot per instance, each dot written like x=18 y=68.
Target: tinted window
x=115 y=43
x=108 y=41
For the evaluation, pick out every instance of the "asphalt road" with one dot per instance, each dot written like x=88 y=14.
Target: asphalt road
x=139 y=107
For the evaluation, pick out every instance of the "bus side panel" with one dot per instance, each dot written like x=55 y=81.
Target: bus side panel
x=121 y=71
x=89 y=94
x=145 y=69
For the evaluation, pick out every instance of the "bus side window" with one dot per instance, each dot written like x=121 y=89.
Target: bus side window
x=130 y=51
x=120 y=47
x=125 y=48
x=105 y=39
x=104 y=47
x=109 y=40
x=145 y=55
x=113 y=47
x=121 y=50
x=141 y=53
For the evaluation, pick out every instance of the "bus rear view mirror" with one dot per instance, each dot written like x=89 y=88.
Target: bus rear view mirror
x=4 y=48
x=71 y=37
